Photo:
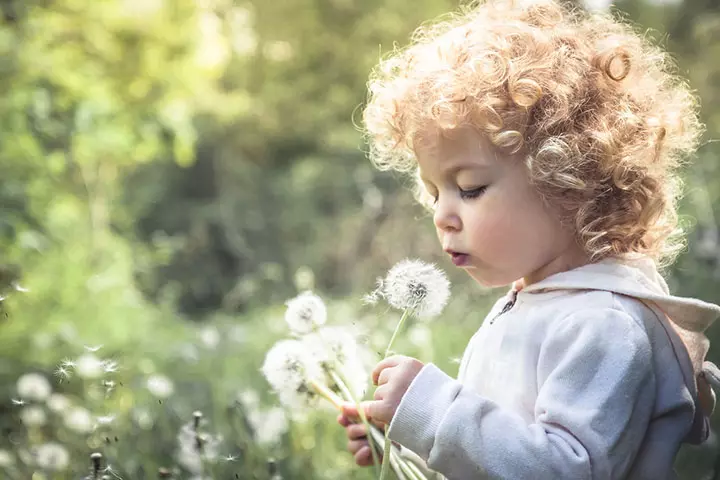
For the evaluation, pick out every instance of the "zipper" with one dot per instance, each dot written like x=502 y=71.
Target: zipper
x=507 y=307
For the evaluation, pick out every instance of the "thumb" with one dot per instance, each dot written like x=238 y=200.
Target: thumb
x=350 y=410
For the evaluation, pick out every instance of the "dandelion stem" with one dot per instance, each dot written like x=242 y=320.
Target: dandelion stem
x=386 y=458
x=341 y=380
x=406 y=313
x=328 y=394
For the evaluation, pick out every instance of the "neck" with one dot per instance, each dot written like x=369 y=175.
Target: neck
x=568 y=260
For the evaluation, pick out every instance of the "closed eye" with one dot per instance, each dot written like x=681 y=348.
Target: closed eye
x=472 y=193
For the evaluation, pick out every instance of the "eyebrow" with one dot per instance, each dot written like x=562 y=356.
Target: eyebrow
x=457 y=168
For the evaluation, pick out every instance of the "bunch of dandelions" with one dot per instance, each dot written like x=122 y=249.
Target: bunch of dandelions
x=418 y=289
x=322 y=363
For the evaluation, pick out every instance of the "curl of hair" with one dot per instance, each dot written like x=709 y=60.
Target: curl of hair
x=597 y=112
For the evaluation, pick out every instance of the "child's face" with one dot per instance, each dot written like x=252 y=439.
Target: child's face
x=488 y=216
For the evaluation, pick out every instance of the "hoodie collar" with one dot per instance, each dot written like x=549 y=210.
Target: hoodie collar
x=636 y=277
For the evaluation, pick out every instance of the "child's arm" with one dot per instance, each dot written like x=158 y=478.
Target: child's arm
x=596 y=390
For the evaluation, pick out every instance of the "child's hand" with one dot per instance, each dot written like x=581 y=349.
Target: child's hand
x=358 y=444
x=393 y=376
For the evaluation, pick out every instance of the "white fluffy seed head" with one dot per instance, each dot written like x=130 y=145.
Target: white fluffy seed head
x=336 y=348
x=33 y=386
x=52 y=457
x=288 y=368
x=305 y=313
x=415 y=285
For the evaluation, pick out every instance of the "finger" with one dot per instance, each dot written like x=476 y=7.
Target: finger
x=354 y=446
x=379 y=411
x=385 y=375
x=343 y=420
x=356 y=432
x=391 y=361
x=364 y=457
x=381 y=392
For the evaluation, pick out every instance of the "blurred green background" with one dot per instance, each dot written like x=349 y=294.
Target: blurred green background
x=174 y=170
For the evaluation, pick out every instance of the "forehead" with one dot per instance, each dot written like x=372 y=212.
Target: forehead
x=439 y=150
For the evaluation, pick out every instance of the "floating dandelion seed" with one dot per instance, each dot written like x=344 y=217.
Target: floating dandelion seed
x=414 y=285
x=110 y=366
x=230 y=458
x=63 y=373
x=20 y=288
x=92 y=349
x=18 y=401
x=305 y=313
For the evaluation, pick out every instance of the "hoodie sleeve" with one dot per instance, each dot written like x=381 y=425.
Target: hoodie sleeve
x=595 y=392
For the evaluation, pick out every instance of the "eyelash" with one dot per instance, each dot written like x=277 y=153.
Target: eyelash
x=467 y=194
x=473 y=193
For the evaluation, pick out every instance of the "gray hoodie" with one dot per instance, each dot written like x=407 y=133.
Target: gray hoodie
x=588 y=374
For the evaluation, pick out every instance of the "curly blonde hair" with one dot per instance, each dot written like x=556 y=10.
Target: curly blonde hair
x=594 y=108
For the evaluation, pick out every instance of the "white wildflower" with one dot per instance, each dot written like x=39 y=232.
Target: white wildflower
x=33 y=416
x=160 y=386
x=33 y=386
x=305 y=312
x=268 y=426
x=52 y=456
x=416 y=286
x=79 y=420
x=7 y=459
x=89 y=366
x=289 y=368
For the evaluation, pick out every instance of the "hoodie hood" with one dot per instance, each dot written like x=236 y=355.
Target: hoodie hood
x=685 y=319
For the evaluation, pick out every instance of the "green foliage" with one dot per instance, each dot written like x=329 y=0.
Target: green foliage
x=165 y=159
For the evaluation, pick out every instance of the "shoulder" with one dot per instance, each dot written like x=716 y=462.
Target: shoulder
x=566 y=307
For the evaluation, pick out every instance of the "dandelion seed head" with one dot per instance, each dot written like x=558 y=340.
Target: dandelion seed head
x=189 y=455
x=160 y=386
x=33 y=386
x=305 y=312
x=268 y=426
x=288 y=368
x=337 y=349
x=418 y=286
x=51 y=456
x=33 y=416
x=58 y=403
x=79 y=420
x=7 y=459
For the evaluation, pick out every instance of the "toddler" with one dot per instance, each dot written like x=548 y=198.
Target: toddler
x=546 y=142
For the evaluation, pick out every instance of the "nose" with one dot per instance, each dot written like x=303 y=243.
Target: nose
x=446 y=217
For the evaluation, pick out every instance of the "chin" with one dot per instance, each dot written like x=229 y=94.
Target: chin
x=488 y=281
